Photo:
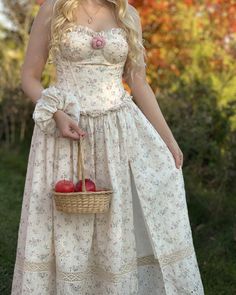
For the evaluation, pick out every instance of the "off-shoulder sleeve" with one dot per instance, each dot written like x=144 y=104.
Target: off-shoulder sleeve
x=51 y=100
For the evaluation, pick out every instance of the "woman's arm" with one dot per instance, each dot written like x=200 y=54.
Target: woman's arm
x=145 y=99
x=33 y=66
x=37 y=52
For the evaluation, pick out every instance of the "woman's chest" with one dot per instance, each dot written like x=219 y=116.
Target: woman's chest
x=82 y=43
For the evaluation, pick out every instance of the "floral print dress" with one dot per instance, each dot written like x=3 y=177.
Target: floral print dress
x=143 y=245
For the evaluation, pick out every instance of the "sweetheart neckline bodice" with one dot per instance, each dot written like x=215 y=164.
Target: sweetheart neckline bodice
x=93 y=75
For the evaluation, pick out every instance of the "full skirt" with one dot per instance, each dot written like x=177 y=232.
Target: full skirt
x=142 y=245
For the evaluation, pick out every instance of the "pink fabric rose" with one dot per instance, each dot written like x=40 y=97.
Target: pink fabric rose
x=98 y=42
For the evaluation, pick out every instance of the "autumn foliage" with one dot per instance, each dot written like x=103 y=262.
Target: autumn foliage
x=172 y=30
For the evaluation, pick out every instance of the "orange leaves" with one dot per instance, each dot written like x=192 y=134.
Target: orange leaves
x=175 y=30
x=155 y=57
x=189 y=2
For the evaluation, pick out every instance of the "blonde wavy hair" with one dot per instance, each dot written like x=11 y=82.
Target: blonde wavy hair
x=126 y=15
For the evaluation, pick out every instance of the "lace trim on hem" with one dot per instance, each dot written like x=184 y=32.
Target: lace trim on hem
x=106 y=275
x=165 y=260
x=30 y=266
x=176 y=256
x=25 y=265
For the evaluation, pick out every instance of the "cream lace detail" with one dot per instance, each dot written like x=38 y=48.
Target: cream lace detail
x=98 y=270
x=29 y=266
x=106 y=275
x=176 y=256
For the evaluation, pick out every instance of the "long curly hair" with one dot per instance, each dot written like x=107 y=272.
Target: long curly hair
x=126 y=15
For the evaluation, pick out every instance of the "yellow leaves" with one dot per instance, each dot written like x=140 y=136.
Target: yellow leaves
x=181 y=33
x=155 y=39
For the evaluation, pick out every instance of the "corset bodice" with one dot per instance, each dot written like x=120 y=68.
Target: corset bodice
x=93 y=74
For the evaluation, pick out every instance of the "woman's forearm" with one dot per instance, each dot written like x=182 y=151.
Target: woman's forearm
x=145 y=99
x=32 y=88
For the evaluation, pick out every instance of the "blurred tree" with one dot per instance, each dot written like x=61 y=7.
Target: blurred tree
x=191 y=48
x=15 y=108
x=192 y=39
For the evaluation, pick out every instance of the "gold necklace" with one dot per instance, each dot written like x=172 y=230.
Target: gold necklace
x=90 y=19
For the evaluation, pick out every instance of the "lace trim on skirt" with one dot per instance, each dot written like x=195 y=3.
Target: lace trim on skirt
x=25 y=265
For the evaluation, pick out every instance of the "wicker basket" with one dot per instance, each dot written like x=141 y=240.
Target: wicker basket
x=85 y=201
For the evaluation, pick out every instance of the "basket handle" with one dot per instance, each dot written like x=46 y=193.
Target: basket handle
x=81 y=164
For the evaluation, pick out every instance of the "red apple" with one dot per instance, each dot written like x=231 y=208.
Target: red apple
x=89 y=185
x=64 y=186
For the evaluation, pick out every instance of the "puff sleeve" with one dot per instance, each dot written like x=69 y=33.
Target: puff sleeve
x=51 y=100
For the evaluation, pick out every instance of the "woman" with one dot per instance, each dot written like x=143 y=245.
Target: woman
x=143 y=244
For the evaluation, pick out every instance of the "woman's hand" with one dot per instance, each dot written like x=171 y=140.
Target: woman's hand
x=176 y=152
x=67 y=126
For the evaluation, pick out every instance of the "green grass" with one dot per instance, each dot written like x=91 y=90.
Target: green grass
x=12 y=176
x=212 y=216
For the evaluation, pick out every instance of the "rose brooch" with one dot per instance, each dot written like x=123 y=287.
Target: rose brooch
x=98 y=42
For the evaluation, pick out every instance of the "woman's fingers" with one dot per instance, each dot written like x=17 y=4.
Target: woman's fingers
x=178 y=163
x=73 y=131
x=179 y=159
x=68 y=128
x=77 y=129
x=70 y=133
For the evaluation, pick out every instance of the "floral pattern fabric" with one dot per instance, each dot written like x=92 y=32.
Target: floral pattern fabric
x=51 y=100
x=143 y=244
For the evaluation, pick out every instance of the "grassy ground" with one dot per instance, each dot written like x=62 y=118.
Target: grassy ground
x=12 y=173
x=212 y=217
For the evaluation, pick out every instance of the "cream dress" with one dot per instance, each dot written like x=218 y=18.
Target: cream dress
x=143 y=245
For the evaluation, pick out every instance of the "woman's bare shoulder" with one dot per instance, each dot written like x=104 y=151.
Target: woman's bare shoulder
x=48 y=4
x=46 y=8
x=44 y=16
